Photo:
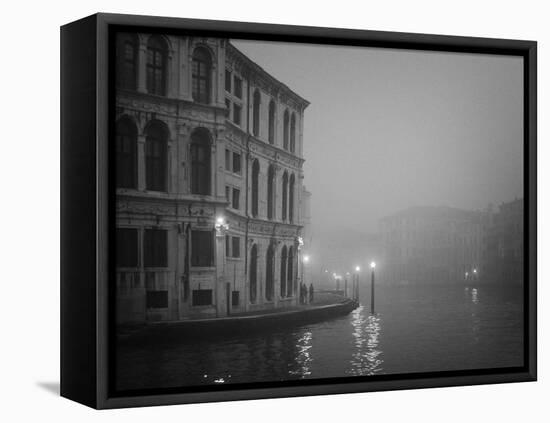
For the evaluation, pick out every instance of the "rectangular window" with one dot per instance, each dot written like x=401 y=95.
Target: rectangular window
x=202 y=248
x=228 y=107
x=126 y=247
x=227 y=246
x=235 y=246
x=155 y=252
x=227 y=81
x=227 y=159
x=157 y=299
x=235 y=298
x=237 y=114
x=235 y=201
x=238 y=87
x=228 y=193
x=236 y=163
x=202 y=297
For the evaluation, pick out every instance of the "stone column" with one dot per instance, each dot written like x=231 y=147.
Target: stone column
x=276 y=276
x=260 y=283
x=169 y=159
x=220 y=274
x=189 y=74
x=246 y=288
x=141 y=162
x=172 y=69
x=215 y=190
x=180 y=254
x=142 y=66
x=181 y=160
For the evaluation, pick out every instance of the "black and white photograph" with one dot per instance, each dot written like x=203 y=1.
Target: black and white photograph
x=290 y=212
x=247 y=211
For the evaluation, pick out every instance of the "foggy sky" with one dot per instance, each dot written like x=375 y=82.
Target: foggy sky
x=389 y=129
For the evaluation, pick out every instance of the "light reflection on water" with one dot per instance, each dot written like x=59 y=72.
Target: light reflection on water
x=416 y=329
x=303 y=357
x=366 y=330
x=475 y=299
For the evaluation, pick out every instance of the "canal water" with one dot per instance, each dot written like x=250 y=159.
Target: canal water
x=414 y=329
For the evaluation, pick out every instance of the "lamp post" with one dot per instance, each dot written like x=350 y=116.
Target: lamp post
x=372 y=266
x=356 y=284
x=305 y=261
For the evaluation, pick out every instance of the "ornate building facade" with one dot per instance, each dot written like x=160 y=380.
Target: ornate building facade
x=209 y=177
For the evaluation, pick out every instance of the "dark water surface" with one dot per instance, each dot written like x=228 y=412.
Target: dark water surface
x=414 y=329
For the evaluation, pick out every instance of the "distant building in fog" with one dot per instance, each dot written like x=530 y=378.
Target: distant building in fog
x=433 y=244
x=503 y=249
x=209 y=178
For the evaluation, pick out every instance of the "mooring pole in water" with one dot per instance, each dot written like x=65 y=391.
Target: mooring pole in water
x=372 y=266
x=356 y=284
x=346 y=287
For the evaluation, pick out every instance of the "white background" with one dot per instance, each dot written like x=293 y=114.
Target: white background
x=29 y=170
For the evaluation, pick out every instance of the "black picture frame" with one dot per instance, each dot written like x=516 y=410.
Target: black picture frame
x=87 y=199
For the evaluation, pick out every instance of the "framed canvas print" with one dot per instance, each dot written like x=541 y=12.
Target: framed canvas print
x=255 y=211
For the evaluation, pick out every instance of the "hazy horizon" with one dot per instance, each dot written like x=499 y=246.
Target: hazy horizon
x=390 y=129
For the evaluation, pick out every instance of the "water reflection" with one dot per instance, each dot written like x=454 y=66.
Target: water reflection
x=475 y=299
x=303 y=356
x=476 y=322
x=418 y=329
x=365 y=359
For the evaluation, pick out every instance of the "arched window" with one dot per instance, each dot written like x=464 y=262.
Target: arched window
x=156 y=142
x=283 y=272
x=293 y=133
x=201 y=74
x=291 y=199
x=126 y=154
x=126 y=60
x=285 y=130
x=255 y=186
x=270 y=192
x=256 y=113
x=285 y=196
x=269 y=272
x=157 y=59
x=200 y=162
x=271 y=125
x=253 y=286
x=290 y=272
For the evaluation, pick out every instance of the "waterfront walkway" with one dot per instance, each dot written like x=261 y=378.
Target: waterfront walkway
x=321 y=298
x=326 y=305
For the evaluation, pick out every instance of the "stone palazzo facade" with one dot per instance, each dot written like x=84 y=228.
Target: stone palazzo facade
x=209 y=197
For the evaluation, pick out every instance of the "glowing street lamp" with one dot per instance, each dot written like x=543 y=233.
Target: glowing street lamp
x=356 y=283
x=221 y=226
x=305 y=260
